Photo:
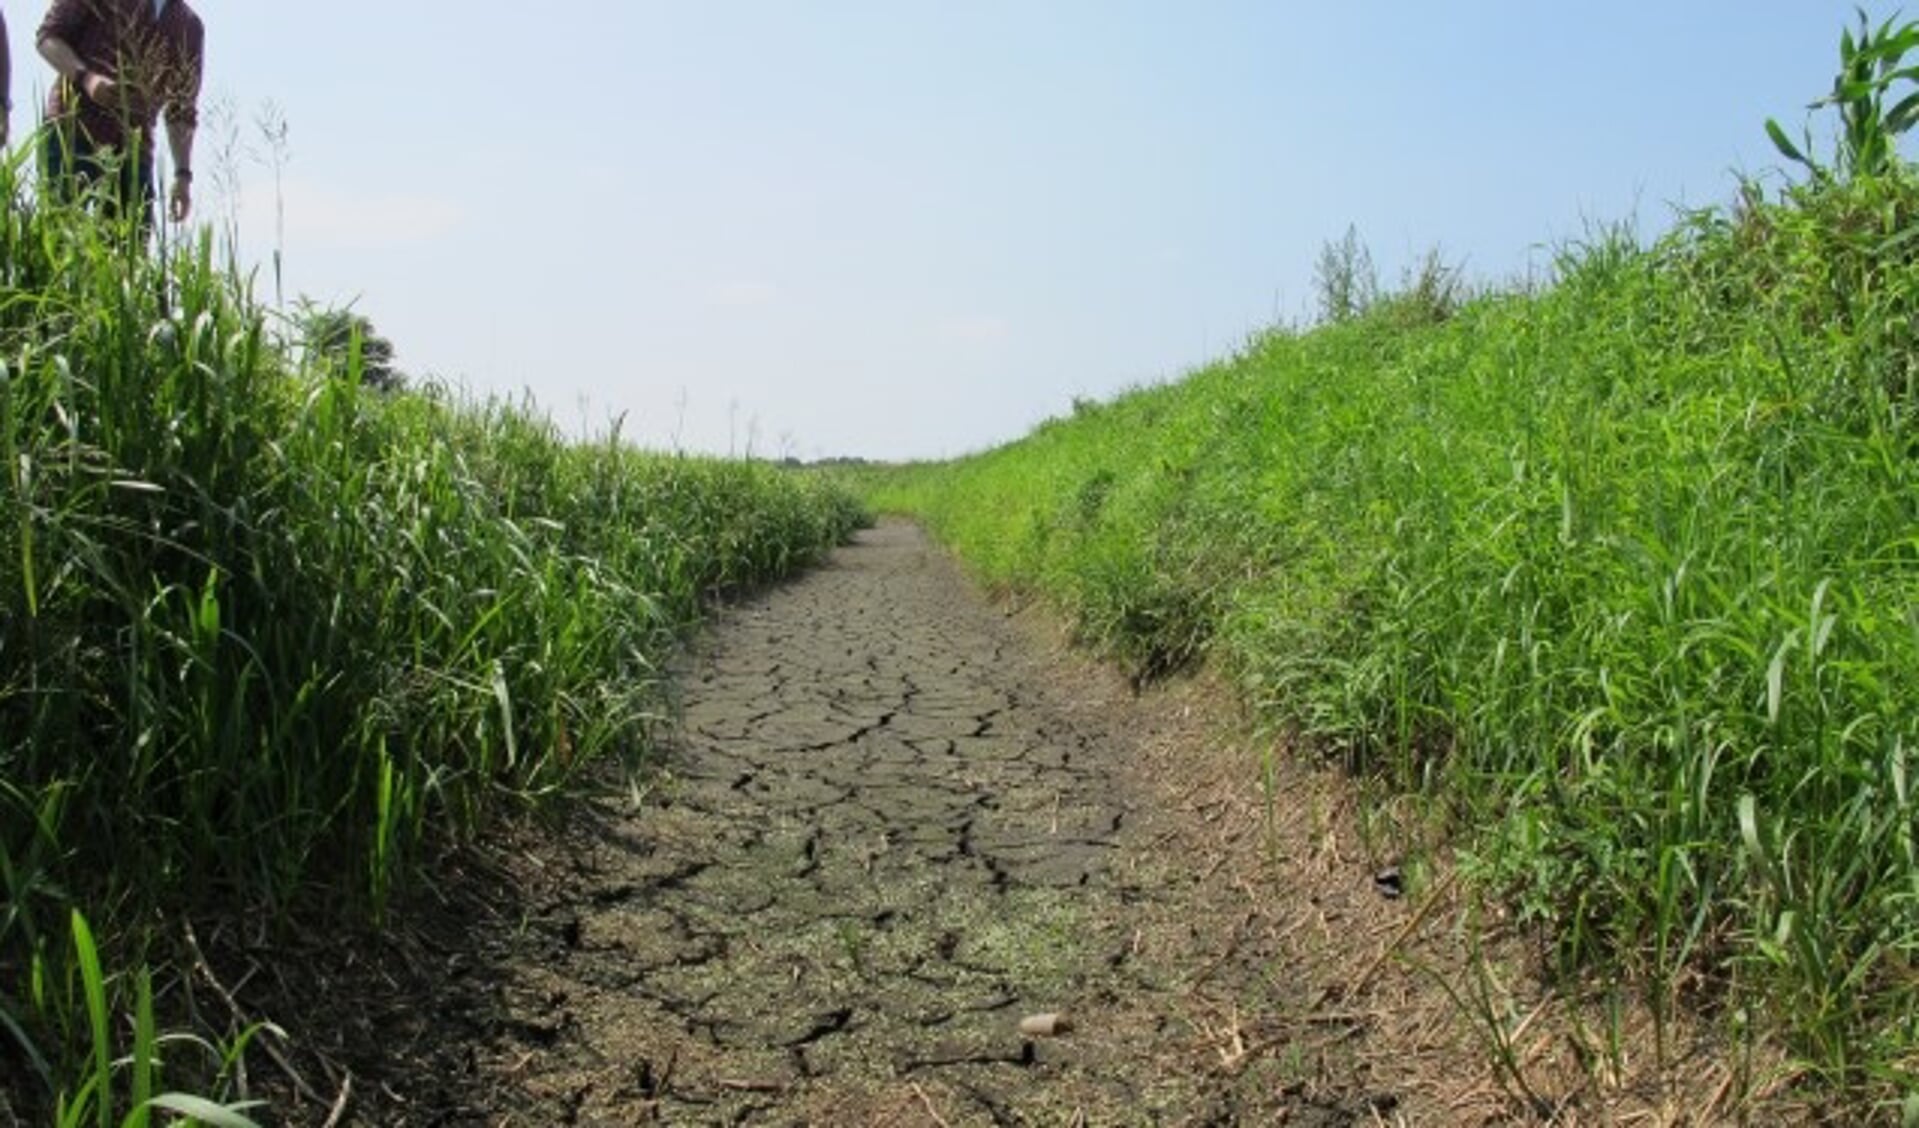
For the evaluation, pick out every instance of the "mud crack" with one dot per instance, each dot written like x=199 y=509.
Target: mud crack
x=880 y=840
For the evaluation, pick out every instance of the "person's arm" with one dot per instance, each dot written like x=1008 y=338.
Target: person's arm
x=183 y=119
x=66 y=19
x=66 y=61
x=180 y=142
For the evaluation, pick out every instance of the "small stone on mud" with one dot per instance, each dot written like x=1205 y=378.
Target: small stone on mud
x=1045 y=1025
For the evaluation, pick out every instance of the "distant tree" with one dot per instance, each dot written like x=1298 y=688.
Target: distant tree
x=1345 y=278
x=326 y=335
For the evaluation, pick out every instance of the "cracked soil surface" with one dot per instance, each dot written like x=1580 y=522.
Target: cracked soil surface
x=892 y=827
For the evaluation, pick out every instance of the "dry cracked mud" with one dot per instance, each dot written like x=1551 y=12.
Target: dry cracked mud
x=880 y=844
x=895 y=821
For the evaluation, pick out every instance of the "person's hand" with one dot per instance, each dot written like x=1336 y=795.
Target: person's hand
x=181 y=203
x=97 y=88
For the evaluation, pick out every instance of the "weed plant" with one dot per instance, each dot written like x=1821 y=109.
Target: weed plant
x=263 y=632
x=1622 y=573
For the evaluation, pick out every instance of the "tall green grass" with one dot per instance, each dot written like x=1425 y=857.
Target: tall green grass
x=265 y=631
x=1623 y=573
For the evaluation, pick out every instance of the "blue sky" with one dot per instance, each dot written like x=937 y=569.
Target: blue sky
x=915 y=228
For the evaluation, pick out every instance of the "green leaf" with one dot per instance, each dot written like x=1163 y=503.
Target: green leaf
x=1776 y=678
x=1749 y=834
x=1784 y=144
x=145 y=1051
x=1900 y=118
x=1890 y=46
x=75 y=1114
x=1821 y=622
x=205 y=1111
x=95 y=984
x=207 y=621
x=505 y=698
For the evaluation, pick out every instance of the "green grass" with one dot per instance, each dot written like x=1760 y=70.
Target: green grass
x=264 y=631
x=1622 y=575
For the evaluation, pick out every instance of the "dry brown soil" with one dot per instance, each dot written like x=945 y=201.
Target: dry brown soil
x=887 y=837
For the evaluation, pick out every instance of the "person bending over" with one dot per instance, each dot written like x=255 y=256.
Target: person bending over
x=121 y=63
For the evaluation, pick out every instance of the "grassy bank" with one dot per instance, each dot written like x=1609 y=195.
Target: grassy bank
x=264 y=631
x=1623 y=574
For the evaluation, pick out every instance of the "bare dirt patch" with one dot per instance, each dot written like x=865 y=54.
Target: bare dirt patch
x=889 y=834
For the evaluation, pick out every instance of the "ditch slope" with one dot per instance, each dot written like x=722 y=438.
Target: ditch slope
x=894 y=826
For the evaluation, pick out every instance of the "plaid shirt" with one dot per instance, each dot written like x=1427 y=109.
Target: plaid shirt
x=155 y=60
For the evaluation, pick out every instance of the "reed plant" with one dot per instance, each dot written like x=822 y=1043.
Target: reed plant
x=266 y=630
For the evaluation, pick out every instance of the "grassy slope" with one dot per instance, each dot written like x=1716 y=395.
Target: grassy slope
x=1624 y=574
x=264 y=631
